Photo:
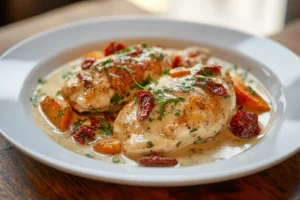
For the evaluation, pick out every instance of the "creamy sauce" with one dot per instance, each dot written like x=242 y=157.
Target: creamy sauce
x=223 y=146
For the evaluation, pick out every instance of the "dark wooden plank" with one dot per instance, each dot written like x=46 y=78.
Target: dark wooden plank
x=24 y=178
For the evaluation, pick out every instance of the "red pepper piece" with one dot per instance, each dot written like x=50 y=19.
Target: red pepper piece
x=210 y=70
x=176 y=62
x=87 y=63
x=83 y=133
x=146 y=104
x=245 y=124
x=113 y=47
x=157 y=160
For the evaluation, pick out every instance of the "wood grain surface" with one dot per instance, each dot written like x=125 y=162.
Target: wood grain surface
x=24 y=178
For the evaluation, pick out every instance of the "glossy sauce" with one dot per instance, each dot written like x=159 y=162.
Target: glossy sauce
x=223 y=146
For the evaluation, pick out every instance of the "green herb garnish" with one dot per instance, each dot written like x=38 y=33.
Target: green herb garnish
x=226 y=96
x=116 y=98
x=42 y=81
x=198 y=140
x=115 y=159
x=58 y=92
x=89 y=156
x=166 y=71
x=77 y=124
x=106 y=128
x=66 y=75
x=178 y=144
x=149 y=144
x=193 y=130
x=251 y=90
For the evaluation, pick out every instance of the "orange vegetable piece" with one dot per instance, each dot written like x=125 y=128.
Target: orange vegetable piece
x=94 y=54
x=245 y=96
x=108 y=146
x=178 y=73
x=57 y=111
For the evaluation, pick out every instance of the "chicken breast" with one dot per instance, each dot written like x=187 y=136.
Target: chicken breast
x=109 y=83
x=188 y=109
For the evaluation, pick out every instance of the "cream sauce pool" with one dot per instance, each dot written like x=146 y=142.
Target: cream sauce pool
x=225 y=145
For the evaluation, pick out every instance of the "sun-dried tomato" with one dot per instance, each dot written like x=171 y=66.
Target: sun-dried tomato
x=84 y=133
x=145 y=104
x=210 y=70
x=137 y=50
x=87 y=81
x=157 y=160
x=245 y=124
x=216 y=88
x=94 y=120
x=113 y=47
x=176 y=62
x=87 y=63
x=79 y=76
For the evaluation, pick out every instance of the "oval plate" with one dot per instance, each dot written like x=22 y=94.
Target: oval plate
x=20 y=66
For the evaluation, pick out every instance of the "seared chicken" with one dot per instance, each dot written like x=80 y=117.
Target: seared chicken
x=107 y=84
x=186 y=109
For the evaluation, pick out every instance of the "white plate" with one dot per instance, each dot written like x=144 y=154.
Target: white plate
x=35 y=57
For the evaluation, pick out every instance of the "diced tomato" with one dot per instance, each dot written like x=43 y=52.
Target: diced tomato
x=210 y=70
x=157 y=160
x=216 y=88
x=146 y=104
x=245 y=124
x=87 y=63
x=84 y=133
x=113 y=47
x=176 y=62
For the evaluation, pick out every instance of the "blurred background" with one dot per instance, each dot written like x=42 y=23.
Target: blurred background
x=260 y=17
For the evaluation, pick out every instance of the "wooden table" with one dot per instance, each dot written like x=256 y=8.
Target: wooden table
x=24 y=178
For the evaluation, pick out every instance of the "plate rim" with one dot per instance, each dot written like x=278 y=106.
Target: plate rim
x=132 y=180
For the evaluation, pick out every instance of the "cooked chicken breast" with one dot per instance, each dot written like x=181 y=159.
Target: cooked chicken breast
x=108 y=84
x=186 y=110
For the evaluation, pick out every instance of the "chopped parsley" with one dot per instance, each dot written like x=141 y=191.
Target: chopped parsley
x=163 y=101
x=144 y=45
x=129 y=71
x=146 y=81
x=107 y=63
x=115 y=159
x=149 y=144
x=149 y=119
x=89 y=155
x=251 y=90
x=126 y=50
x=178 y=144
x=207 y=71
x=95 y=110
x=77 y=124
x=106 y=128
x=244 y=75
x=36 y=98
x=166 y=71
x=198 y=140
x=166 y=89
x=116 y=98
x=235 y=67
x=193 y=130
x=226 y=96
x=58 y=92
x=177 y=112
x=60 y=114
x=66 y=75
x=42 y=81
